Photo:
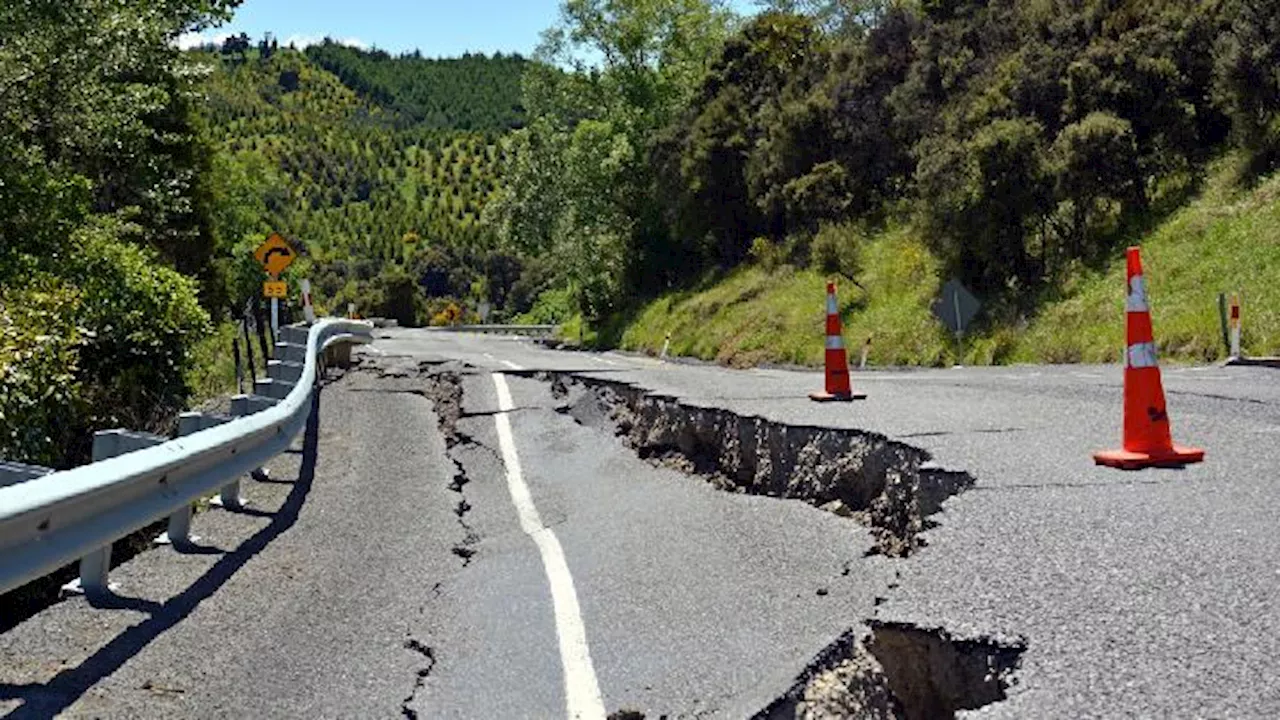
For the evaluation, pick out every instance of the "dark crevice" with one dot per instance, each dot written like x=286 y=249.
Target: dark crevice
x=420 y=678
x=890 y=486
x=948 y=433
x=899 y=670
x=444 y=389
x=1212 y=396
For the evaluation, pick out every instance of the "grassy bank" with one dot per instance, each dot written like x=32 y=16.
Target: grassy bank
x=756 y=315
x=1226 y=240
x=212 y=372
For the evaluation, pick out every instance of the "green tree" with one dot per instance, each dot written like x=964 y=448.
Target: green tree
x=1246 y=86
x=982 y=198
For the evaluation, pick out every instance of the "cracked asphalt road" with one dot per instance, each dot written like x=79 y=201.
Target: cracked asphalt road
x=1148 y=594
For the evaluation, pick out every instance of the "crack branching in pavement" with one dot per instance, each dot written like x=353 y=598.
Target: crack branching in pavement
x=421 y=675
x=444 y=389
x=890 y=486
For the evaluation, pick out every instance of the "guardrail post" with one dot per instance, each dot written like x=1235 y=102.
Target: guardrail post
x=338 y=356
x=94 y=571
x=285 y=371
x=272 y=388
x=95 y=567
x=294 y=334
x=229 y=497
x=12 y=473
x=179 y=530
x=289 y=352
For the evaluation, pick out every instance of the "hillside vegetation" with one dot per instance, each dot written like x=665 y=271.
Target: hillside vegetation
x=1019 y=145
x=1224 y=241
x=473 y=92
x=108 y=242
x=384 y=200
x=657 y=166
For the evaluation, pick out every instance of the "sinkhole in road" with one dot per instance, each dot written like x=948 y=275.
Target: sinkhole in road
x=891 y=487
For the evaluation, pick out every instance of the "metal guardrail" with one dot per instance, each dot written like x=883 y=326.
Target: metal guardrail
x=501 y=329
x=51 y=520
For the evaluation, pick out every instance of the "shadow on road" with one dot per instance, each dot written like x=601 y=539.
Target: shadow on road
x=48 y=699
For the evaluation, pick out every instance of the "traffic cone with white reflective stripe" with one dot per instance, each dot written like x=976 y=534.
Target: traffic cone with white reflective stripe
x=837 y=360
x=1147 y=441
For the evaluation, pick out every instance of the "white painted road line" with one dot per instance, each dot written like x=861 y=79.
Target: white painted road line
x=511 y=365
x=582 y=691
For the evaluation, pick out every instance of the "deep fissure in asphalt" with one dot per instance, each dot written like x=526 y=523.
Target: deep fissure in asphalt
x=890 y=486
x=895 y=670
x=444 y=390
x=899 y=670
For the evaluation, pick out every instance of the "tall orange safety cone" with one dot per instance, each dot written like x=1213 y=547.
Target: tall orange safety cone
x=837 y=361
x=1147 y=441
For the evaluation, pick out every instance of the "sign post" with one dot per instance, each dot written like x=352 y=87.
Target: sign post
x=275 y=255
x=956 y=308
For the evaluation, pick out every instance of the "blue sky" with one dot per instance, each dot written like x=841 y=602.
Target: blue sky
x=437 y=27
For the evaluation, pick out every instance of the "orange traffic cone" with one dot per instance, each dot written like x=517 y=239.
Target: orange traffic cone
x=837 y=361
x=1146 y=420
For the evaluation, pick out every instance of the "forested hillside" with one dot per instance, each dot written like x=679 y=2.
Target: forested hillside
x=382 y=194
x=473 y=92
x=1019 y=144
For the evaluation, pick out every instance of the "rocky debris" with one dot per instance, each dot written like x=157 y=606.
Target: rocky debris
x=888 y=485
x=899 y=671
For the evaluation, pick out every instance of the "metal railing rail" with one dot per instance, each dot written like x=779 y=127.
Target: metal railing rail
x=503 y=329
x=52 y=520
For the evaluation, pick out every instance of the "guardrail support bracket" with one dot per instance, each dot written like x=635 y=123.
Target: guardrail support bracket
x=94 y=569
x=179 y=532
x=229 y=498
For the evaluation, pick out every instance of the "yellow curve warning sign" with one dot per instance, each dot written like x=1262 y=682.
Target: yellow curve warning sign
x=275 y=255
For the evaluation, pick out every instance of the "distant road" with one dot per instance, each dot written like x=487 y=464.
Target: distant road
x=525 y=562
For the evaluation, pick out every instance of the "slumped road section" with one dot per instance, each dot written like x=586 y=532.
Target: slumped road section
x=733 y=549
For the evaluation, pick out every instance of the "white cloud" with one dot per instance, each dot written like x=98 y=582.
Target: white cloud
x=189 y=40
x=303 y=41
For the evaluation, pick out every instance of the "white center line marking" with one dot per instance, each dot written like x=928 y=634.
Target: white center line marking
x=582 y=691
x=511 y=365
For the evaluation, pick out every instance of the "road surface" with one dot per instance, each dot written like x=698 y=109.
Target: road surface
x=461 y=536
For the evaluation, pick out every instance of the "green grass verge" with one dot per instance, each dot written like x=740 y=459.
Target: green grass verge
x=755 y=315
x=212 y=371
x=1224 y=241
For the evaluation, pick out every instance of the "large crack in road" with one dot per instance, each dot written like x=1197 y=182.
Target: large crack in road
x=899 y=670
x=876 y=669
x=891 y=487
x=444 y=390
x=892 y=670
